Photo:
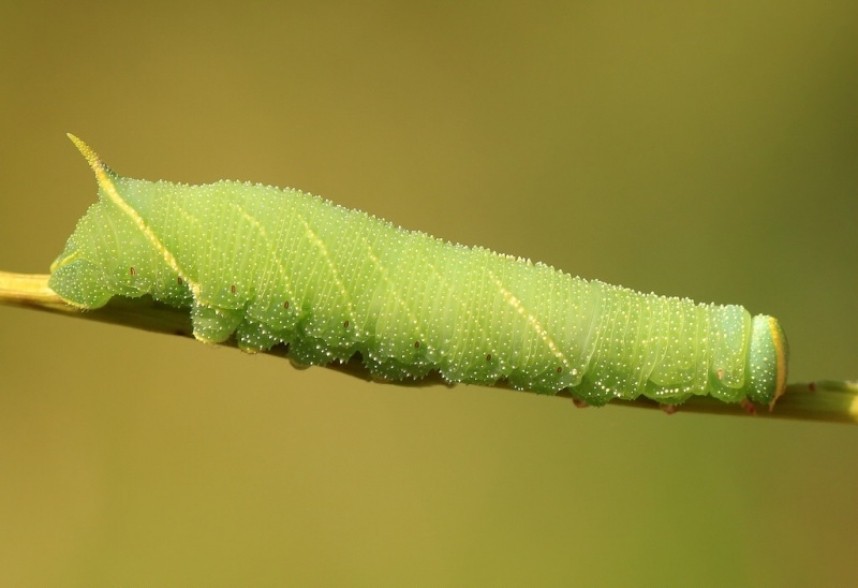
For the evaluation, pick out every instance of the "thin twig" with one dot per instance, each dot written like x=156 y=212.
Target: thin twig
x=829 y=401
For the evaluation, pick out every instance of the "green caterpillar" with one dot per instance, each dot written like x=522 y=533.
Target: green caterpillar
x=273 y=266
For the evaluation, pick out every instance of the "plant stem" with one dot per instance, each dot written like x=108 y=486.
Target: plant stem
x=829 y=401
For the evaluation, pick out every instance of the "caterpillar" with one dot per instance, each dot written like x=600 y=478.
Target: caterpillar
x=271 y=266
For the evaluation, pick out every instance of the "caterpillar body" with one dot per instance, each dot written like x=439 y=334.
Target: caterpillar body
x=273 y=266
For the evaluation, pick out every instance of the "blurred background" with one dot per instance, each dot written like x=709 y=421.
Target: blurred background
x=695 y=149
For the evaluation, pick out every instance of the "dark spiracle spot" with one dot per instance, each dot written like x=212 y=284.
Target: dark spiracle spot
x=232 y=288
x=559 y=369
x=488 y=356
x=286 y=305
x=417 y=345
x=179 y=280
x=132 y=271
x=346 y=325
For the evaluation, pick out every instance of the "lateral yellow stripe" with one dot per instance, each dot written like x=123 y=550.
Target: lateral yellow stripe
x=103 y=176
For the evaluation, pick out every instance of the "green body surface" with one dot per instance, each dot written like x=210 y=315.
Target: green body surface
x=274 y=266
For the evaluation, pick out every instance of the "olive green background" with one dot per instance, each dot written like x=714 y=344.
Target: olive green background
x=701 y=149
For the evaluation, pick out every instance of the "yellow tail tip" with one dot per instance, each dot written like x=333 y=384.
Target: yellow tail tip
x=91 y=156
x=103 y=173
